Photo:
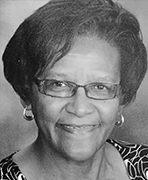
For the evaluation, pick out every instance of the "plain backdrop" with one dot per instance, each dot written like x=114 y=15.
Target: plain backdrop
x=15 y=132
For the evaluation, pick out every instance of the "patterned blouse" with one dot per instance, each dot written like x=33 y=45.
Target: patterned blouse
x=134 y=156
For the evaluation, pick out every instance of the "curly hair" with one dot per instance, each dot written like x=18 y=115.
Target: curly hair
x=49 y=33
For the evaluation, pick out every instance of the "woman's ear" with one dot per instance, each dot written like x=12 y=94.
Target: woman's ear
x=25 y=103
x=27 y=113
x=120 y=110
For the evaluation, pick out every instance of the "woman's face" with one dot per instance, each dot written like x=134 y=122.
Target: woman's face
x=89 y=60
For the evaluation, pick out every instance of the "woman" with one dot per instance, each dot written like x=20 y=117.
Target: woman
x=75 y=65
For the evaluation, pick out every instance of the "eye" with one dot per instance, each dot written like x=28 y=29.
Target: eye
x=100 y=87
x=54 y=85
x=58 y=84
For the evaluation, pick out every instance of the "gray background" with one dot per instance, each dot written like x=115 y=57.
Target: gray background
x=15 y=132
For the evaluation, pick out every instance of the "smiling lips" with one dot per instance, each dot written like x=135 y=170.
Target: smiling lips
x=77 y=128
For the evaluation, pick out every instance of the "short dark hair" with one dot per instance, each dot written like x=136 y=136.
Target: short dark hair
x=48 y=34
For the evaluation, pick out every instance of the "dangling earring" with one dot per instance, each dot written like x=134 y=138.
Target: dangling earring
x=120 y=122
x=27 y=117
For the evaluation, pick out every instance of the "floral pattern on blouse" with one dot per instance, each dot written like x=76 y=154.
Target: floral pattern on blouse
x=134 y=156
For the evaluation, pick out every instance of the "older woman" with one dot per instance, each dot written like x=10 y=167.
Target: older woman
x=75 y=65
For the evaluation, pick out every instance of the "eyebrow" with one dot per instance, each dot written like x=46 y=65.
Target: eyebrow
x=105 y=79
x=58 y=75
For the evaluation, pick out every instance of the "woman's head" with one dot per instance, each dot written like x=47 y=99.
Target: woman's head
x=49 y=34
x=76 y=102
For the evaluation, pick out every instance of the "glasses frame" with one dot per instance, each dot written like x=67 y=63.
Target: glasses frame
x=40 y=83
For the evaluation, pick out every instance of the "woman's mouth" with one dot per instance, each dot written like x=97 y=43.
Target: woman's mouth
x=77 y=129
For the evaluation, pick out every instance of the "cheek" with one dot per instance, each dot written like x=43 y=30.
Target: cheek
x=46 y=109
x=108 y=111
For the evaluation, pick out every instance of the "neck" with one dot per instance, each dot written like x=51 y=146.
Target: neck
x=56 y=166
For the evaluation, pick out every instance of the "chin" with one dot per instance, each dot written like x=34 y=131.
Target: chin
x=74 y=146
x=81 y=154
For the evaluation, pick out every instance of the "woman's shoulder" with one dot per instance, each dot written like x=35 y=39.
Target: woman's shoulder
x=129 y=150
x=10 y=170
x=135 y=157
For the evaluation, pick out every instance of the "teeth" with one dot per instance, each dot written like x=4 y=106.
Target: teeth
x=79 y=127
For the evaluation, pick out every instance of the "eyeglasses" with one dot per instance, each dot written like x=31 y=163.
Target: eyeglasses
x=67 y=89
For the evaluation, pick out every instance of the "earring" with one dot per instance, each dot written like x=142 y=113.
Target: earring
x=27 y=117
x=120 y=122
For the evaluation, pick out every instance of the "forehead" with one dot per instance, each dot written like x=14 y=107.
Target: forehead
x=89 y=56
x=92 y=47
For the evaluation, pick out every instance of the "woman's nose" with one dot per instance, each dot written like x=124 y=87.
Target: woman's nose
x=79 y=104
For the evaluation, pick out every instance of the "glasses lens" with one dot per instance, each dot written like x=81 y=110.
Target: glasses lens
x=101 y=90
x=56 y=88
